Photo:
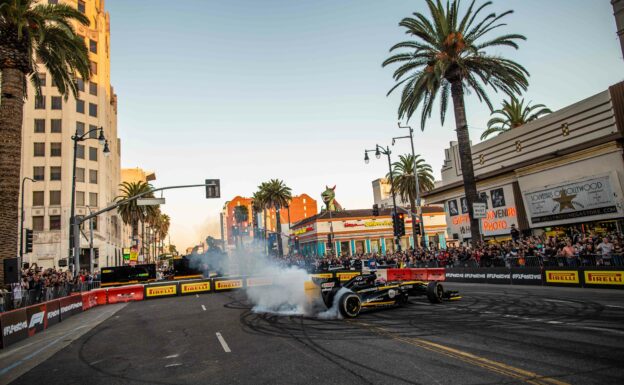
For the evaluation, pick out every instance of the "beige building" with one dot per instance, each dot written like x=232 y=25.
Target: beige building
x=137 y=174
x=47 y=155
x=382 y=194
x=562 y=171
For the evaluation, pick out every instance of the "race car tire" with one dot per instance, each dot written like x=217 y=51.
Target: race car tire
x=349 y=305
x=435 y=292
x=403 y=299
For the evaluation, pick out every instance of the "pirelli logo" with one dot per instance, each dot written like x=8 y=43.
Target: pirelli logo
x=229 y=284
x=562 y=276
x=604 y=277
x=260 y=281
x=160 y=291
x=195 y=287
x=347 y=276
x=322 y=275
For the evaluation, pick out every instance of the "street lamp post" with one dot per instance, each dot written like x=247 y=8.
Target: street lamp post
x=74 y=231
x=386 y=151
x=418 y=202
x=21 y=253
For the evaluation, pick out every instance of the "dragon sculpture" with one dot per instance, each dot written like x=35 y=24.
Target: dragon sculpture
x=329 y=198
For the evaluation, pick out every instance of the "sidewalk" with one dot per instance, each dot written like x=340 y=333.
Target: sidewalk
x=25 y=355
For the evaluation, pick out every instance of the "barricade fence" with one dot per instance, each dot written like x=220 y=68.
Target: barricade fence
x=27 y=320
x=19 y=298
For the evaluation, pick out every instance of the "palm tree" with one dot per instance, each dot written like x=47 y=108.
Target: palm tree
x=448 y=55
x=277 y=195
x=513 y=114
x=163 y=229
x=241 y=215
x=131 y=213
x=405 y=184
x=259 y=199
x=257 y=205
x=29 y=34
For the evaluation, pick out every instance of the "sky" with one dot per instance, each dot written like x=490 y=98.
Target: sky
x=247 y=90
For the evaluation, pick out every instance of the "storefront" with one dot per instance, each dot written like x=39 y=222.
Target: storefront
x=359 y=232
x=558 y=174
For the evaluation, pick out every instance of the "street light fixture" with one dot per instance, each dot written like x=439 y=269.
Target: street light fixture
x=21 y=253
x=74 y=232
x=366 y=159
x=386 y=151
x=418 y=202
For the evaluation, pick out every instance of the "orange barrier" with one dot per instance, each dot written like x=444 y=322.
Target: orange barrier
x=101 y=296
x=419 y=274
x=399 y=274
x=436 y=274
x=89 y=300
x=125 y=294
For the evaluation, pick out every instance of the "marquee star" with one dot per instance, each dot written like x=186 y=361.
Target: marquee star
x=565 y=200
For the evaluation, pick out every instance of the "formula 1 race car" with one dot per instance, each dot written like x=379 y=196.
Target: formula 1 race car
x=367 y=291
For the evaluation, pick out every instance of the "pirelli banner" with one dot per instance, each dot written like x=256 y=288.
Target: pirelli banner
x=195 y=286
x=598 y=277
x=232 y=283
x=158 y=290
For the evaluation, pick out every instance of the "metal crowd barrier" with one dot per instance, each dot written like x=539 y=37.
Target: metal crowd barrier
x=23 y=298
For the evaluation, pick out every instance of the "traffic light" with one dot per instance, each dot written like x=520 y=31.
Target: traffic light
x=29 y=241
x=400 y=224
x=330 y=244
x=375 y=210
x=417 y=228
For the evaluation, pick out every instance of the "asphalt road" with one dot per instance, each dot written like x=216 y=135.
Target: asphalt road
x=494 y=335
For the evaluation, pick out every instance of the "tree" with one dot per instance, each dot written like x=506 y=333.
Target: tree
x=277 y=195
x=257 y=205
x=31 y=34
x=259 y=199
x=131 y=213
x=513 y=114
x=241 y=215
x=449 y=55
x=405 y=185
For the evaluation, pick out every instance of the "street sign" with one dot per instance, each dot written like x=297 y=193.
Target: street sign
x=213 y=188
x=478 y=210
x=150 y=201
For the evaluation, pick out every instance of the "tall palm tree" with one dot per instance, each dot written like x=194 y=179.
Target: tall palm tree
x=449 y=54
x=163 y=229
x=405 y=184
x=513 y=114
x=131 y=213
x=31 y=34
x=277 y=195
x=241 y=215
x=259 y=198
x=257 y=205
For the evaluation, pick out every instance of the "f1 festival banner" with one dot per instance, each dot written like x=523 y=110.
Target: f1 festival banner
x=495 y=275
x=53 y=310
x=36 y=317
x=70 y=305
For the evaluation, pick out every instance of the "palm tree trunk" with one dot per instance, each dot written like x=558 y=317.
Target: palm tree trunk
x=280 y=251
x=414 y=219
x=465 y=157
x=11 y=115
x=265 y=231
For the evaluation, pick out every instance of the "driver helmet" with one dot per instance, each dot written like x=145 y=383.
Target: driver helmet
x=380 y=280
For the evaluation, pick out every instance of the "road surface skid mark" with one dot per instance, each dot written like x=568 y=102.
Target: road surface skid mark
x=493 y=366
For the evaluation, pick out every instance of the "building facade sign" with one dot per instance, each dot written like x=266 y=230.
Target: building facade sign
x=570 y=201
x=500 y=213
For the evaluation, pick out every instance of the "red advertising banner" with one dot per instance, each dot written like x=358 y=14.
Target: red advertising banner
x=14 y=326
x=125 y=294
x=70 y=305
x=53 y=310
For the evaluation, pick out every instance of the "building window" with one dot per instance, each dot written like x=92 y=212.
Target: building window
x=93 y=153
x=39 y=173
x=40 y=126
x=81 y=6
x=40 y=102
x=93 y=68
x=55 y=173
x=57 y=103
x=80 y=128
x=42 y=78
x=93 y=110
x=55 y=198
x=37 y=223
x=56 y=125
x=55 y=149
x=80 y=151
x=93 y=131
x=93 y=88
x=80 y=174
x=92 y=45
x=80 y=85
x=80 y=106
x=55 y=222
x=39 y=149
x=93 y=175
x=38 y=198
x=80 y=198
x=93 y=199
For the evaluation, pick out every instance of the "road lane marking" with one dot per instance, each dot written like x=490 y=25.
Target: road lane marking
x=617 y=307
x=558 y=300
x=172 y=356
x=491 y=365
x=196 y=295
x=170 y=365
x=204 y=307
x=223 y=343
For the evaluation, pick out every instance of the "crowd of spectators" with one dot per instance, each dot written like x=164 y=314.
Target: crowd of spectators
x=572 y=250
x=43 y=284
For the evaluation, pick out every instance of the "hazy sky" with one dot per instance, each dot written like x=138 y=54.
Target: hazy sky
x=250 y=90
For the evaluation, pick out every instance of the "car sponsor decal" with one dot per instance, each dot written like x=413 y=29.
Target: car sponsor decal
x=604 y=277
x=562 y=276
x=348 y=275
x=322 y=275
